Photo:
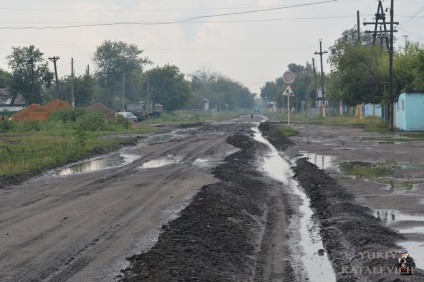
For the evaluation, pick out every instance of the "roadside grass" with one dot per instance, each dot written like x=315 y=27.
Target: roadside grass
x=188 y=117
x=286 y=131
x=374 y=124
x=25 y=152
x=368 y=170
x=73 y=135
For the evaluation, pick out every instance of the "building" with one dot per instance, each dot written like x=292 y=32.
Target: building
x=409 y=111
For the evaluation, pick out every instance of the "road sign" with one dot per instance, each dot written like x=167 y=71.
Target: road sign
x=288 y=92
x=288 y=77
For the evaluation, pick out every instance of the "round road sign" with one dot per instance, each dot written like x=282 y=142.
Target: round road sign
x=288 y=77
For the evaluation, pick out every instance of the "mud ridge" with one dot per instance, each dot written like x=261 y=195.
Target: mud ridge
x=359 y=246
x=219 y=235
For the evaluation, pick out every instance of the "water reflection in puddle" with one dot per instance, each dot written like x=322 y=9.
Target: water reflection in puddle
x=320 y=161
x=158 y=163
x=390 y=217
x=113 y=160
x=315 y=262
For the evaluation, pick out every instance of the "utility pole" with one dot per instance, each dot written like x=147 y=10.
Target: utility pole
x=315 y=78
x=358 y=26
x=54 y=60
x=88 y=70
x=322 y=77
x=31 y=62
x=123 y=92
x=72 y=83
x=391 y=66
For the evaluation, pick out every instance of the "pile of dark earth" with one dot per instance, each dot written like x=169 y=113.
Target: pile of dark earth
x=220 y=235
x=358 y=244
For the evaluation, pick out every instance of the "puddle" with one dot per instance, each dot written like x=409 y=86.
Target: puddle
x=391 y=216
x=316 y=263
x=411 y=166
x=113 y=160
x=158 y=163
x=320 y=161
x=416 y=249
x=160 y=138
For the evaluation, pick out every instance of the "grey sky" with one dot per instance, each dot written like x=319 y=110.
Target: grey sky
x=251 y=48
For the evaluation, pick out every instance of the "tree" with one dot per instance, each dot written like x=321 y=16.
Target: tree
x=30 y=73
x=358 y=75
x=221 y=91
x=5 y=79
x=114 y=59
x=167 y=86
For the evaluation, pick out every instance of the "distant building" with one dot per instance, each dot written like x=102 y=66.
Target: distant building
x=5 y=101
x=409 y=111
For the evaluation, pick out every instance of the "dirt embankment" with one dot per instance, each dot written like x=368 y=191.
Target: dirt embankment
x=359 y=246
x=224 y=233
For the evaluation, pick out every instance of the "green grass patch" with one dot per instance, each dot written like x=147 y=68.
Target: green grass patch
x=368 y=170
x=287 y=131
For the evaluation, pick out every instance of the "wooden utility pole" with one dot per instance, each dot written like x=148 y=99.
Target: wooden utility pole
x=315 y=78
x=358 y=26
x=391 y=68
x=31 y=63
x=322 y=76
x=123 y=92
x=72 y=83
x=54 y=60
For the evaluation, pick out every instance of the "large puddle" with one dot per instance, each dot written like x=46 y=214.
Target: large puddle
x=315 y=262
x=109 y=161
x=415 y=225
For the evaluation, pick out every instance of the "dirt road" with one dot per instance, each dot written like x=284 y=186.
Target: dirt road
x=81 y=227
x=195 y=205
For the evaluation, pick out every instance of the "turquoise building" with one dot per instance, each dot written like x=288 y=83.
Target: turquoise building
x=409 y=111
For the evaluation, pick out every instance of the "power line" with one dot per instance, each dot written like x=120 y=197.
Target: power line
x=175 y=21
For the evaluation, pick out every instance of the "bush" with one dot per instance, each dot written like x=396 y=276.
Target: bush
x=66 y=115
x=6 y=125
x=91 y=121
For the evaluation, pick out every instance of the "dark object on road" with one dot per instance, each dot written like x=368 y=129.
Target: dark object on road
x=406 y=264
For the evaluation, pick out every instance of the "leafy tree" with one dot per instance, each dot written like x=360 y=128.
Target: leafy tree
x=358 y=75
x=167 y=86
x=83 y=89
x=5 y=78
x=30 y=73
x=222 y=92
x=114 y=59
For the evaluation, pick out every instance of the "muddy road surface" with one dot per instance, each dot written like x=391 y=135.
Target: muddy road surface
x=218 y=202
x=81 y=223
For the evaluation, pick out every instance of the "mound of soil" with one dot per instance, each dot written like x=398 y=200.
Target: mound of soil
x=108 y=112
x=39 y=112
x=218 y=235
x=358 y=244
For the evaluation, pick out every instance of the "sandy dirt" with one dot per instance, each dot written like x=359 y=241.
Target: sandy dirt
x=210 y=214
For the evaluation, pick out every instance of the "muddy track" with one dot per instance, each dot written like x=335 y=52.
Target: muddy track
x=81 y=227
x=349 y=230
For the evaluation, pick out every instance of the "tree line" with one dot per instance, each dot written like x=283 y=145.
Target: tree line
x=120 y=77
x=359 y=74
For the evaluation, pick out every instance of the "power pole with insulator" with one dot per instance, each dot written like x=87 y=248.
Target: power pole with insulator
x=54 y=60
x=322 y=76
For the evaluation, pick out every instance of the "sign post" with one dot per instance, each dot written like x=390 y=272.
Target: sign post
x=288 y=92
x=288 y=77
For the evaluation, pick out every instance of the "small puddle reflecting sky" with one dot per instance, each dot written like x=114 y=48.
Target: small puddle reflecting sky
x=157 y=163
x=320 y=161
x=415 y=249
x=113 y=160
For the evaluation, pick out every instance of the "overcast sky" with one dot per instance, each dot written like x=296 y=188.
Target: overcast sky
x=250 y=41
